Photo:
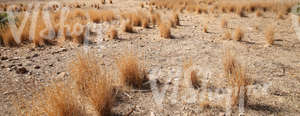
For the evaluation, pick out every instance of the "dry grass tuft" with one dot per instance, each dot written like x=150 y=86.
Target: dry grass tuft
x=175 y=18
x=237 y=78
x=155 y=18
x=191 y=74
x=165 y=31
x=224 y=23
x=205 y=29
x=99 y=16
x=132 y=72
x=112 y=33
x=227 y=35
x=258 y=13
x=269 y=35
x=127 y=27
x=60 y=101
x=238 y=34
x=93 y=81
x=7 y=38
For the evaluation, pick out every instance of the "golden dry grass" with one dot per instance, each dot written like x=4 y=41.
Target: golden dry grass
x=227 y=35
x=7 y=38
x=175 y=18
x=98 y=16
x=127 y=27
x=258 y=13
x=224 y=23
x=205 y=29
x=132 y=71
x=155 y=18
x=112 y=33
x=269 y=35
x=165 y=30
x=238 y=34
x=191 y=75
x=235 y=73
x=60 y=101
x=93 y=81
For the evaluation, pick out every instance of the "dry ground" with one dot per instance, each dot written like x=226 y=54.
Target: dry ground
x=277 y=65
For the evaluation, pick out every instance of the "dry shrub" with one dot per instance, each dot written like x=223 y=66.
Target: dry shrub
x=165 y=30
x=155 y=18
x=127 y=27
x=98 y=16
x=7 y=38
x=136 y=19
x=175 y=18
x=102 y=1
x=227 y=35
x=112 y=33
x=132 y=72
x=171 y=23
x=142 y=5
x=191 y=74
x=280 y=15
x=205 y=29
x=258 y=13
x=269 y=35
x=78 y=33
x=224 y=23
x=144 y=19
x=110 y=1
x=93 y=81
x=238 y=34
x=60 y=101
x=237 y=78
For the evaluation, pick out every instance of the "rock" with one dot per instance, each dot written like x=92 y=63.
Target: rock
x=11 y=66
x=63 y=50
x=37 y=67
x=4 y=58
x=27 y=57
x=2 y=66
x=21 y=70
x=35 y=55
x=61 y=75
x=51 y=65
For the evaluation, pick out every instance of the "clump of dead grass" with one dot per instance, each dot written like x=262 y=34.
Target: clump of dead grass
x=132 y=71
x=235 y=73
x=155 y=18
x=238 y=34
x=224 y=23
x=112 y=33
x=93 y=81
x=165 y=30
x=269 y=35
x=227 y=35
x=258 y=13
x=175 y=18
x=191 y=74
x=127 y=27
x=205 y=29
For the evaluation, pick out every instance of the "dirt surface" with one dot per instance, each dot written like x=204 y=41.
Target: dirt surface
x=277 y=66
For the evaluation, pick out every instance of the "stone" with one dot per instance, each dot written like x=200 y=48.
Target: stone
x=21 y=70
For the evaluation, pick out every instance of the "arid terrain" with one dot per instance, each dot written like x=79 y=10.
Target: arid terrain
x=229 y=44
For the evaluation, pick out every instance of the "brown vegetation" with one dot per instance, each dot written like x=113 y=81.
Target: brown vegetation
x=165 y=31
x=238 y=34
x=269 y=35
x=235 y=73
x=132 y=72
